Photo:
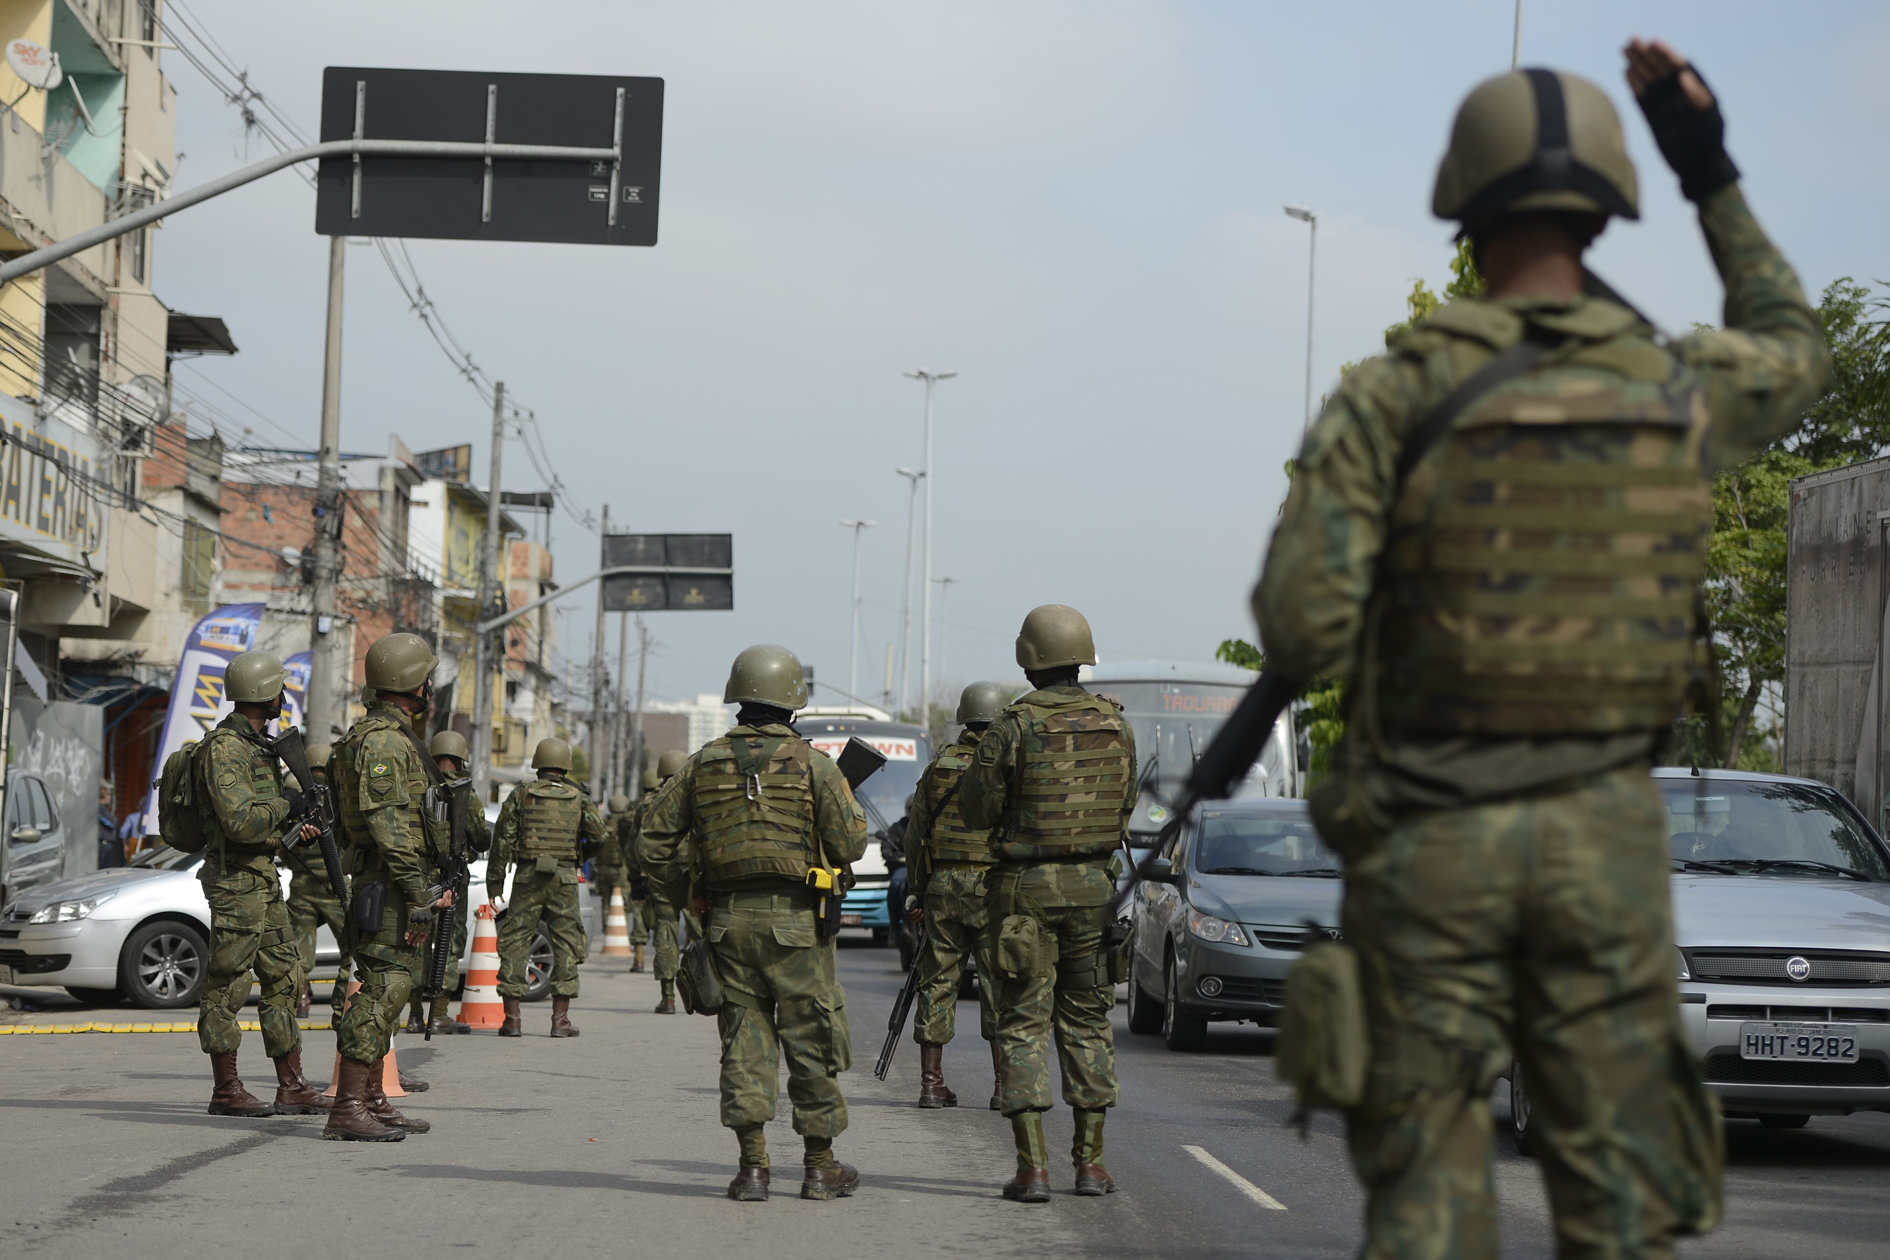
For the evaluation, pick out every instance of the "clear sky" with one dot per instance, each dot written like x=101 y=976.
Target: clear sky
x=1074 y=204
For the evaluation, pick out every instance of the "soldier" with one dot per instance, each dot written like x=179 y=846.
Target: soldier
x=312 y=903
x=745 y=822
x=654 y=909
x=612 y=873
x=1054 y=779
x=382 y=773
x=449 y=752
x=241 y=781
x=946 y=899
x=545 y=829
x=1518 y=650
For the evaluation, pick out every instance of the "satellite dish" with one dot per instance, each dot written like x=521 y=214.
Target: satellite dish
x=35 y=66
x=147 y=396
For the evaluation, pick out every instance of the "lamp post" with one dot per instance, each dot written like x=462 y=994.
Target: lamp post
x=925 y=632
x=944 y=589
x=1311 y=221
x=853 y=630
x=905 y=612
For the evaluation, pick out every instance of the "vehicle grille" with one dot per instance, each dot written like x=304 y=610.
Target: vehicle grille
x=1768 y=967
x=1802 y=1014
x=26 y=964
x=1292 y=940
x=1245 y=989
x=1730 y=1069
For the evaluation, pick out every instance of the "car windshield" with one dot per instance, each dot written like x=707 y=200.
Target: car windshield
x=1768 y=828
x=162 y=857
x=1254 y=842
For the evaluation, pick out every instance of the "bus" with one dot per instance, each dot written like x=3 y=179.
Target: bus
x=908 y=750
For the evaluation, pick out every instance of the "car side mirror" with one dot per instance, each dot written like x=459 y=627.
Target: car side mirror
x=26 y=835
x=1159 y=870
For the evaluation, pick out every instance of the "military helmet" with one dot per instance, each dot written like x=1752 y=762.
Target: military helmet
x=767 y=674
x=254 y=678
x=1535 y=139
x=619 y=803
x=319 y=756
x=400 y=662
x=1055 y=635
x=449 y=744
x=552 y=753
x=651 y=781
x=981 y=702
x=672 y=760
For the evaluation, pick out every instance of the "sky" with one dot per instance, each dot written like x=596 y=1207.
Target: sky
x=1074 y=204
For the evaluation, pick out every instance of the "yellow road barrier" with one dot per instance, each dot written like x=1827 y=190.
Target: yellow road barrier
x=250 y=1025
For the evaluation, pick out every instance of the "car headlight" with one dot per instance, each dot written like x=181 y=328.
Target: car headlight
x=67 y=911
x=1219 y=931
x=1682 y=960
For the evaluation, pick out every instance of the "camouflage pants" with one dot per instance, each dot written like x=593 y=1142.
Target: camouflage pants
x=782 y=998
x=616 y=878
x=386 y=967
x=954 y=931
x=659 y=925
x=1046 y=925
x=311 y=904
x=249 y=931
x=542 y=896
x=1541 y=923
x=424 y=961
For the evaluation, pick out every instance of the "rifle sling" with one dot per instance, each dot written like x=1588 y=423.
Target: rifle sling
x=1436 y=422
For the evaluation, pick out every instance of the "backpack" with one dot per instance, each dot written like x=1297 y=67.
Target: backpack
x=181 y=819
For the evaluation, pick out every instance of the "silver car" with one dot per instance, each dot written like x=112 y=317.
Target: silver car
x=1224 y=914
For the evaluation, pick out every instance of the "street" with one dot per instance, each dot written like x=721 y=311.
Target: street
x=611 y=1142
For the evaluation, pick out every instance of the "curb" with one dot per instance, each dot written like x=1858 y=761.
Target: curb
x=36 y=1030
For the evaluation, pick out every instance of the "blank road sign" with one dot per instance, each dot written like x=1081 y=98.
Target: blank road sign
x=686 y=572
x=534 y=199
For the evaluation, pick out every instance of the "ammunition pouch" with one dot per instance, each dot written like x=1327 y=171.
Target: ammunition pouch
x=1324 y=1046
x=1022 y=952
x=369 y=900
x=696 y=978
x=1093 y=972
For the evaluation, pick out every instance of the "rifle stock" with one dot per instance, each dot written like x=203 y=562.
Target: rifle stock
x=290 y=747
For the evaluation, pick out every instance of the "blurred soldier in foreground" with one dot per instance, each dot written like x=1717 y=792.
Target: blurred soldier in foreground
x=1053 y=780
x=381 y=773
x=450 y=753
x=1514 y=603
x=746 y=821
x=612 y=873
x=546 y=829
x=240 y=779
x=656 y=911
x=946 y=899
x=312 y=903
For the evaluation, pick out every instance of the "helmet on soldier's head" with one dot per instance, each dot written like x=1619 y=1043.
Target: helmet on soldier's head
x=319 y=756
x=552 y=753
x=254 y=678
x=1055 y=635
x=449 y=744
x=1535 y=140
x=400 y=662
x=651 y=781
x=619 y=803
x=672 y=760
x=981 y=702
x=767 y=674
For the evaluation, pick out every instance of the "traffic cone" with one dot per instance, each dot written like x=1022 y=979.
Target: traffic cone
x=390 y=1071
x=616 y=928
x=479 y=1004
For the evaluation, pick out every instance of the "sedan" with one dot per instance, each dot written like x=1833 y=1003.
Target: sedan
x=1225 y=911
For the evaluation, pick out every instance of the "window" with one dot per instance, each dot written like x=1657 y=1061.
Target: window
x=44 y=816
x=140 y=241
x=200 y=560
x=148 y=25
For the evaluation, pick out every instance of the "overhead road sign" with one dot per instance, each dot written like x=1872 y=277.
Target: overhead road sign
x=677 y=572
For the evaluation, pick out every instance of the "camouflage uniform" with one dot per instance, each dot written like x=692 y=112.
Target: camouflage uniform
x=249 y=924
x=614 y=872
x=1506 y=880
x=381 y=780
x=656 y=916
x=950 y=861
x=311 y=904
x=545 y=829
x=751 y=854
x=478 y=843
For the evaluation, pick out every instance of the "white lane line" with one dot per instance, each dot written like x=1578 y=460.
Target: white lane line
x=1240 y=1183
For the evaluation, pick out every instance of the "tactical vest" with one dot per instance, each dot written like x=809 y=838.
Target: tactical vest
x=754 y=807
x=952 y=839
x=549 y=815
x=265 y=780
x=345 y=768
x=1073 y=773
x=1541 y=572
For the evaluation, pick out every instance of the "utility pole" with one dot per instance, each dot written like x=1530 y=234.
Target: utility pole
x=1515 y=45
x=925 y=633
x=636 y=719
x=488 y=593
x=853 y=623
x=944 y=589
x=598 y=754
x=619 y=743
x=905 y=612
x=1311 y=221
x=322 y=712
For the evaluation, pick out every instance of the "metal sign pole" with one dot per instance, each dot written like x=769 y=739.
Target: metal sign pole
x=483 y=639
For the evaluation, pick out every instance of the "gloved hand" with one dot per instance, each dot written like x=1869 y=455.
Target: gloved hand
x=420 y=918
x=297 y=799
x=1684 y=116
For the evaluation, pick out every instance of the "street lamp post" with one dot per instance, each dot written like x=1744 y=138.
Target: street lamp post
x=905 y=612
x=944 y=589
x=925 y=631
x=1312 y=249
x=853 y=627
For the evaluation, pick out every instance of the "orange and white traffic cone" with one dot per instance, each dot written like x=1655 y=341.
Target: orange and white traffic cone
x=390 y=1071
x=479 y=1004
x=616 y=927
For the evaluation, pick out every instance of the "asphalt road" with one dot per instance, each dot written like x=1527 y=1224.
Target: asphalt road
x=610 y=1142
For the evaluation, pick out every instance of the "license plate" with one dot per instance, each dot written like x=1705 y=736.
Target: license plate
x=6 y=975
x=1812 y=1043
x=852 y=920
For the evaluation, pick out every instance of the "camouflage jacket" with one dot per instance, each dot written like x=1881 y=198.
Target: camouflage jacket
x=586 y=837
x=620 y=837
x=1757 y=375
x=242 y=781
x=936 y=783
x=984 y=794
x=381 y=782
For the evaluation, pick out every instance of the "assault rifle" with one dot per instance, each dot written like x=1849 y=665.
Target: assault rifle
x=902 y=1011
x=448 y=803
x=294 y=754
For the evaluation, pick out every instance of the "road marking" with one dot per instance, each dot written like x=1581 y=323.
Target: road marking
x=1240 y=1183
x=248 y=1025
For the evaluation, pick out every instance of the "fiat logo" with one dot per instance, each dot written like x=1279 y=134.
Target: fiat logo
x=1798 y=969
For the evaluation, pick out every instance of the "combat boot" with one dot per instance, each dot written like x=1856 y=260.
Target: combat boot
x=636 y=960
x=932 y=1091
x=412 y=1084
x=348 y=1119
x=1032 y=1182
x=294 y=1095
x=668 y=1005
x=383 y=1111
x=443 y=1023
x=836 y=1182
x=561 y=1025
x=228 y=1097
x=509 y=1027
x=1086 y=1151
x=750 y=1186
x=997 y=1076
x=416 y=1017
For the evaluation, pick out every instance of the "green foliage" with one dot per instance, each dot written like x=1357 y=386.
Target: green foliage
x=1852 y=420
x=1420 y=304
x=1242 y=653
x=1322 y=712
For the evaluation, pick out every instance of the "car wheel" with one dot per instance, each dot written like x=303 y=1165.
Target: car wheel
x=96 y=997
x=162 y=965
x=1784 y=1122
x=1181 y=1030
x=1519 y=1113
x=538 y=965
x=1145 y=1013
x=882 y=937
